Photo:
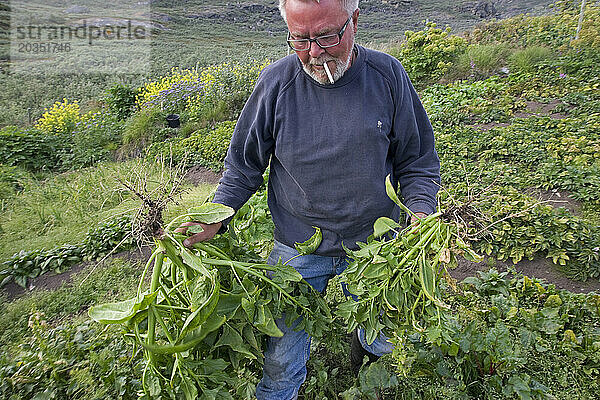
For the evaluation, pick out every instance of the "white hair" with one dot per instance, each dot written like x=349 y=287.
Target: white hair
x=348 y=5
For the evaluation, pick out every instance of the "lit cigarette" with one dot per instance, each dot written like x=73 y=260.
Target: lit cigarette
x=328 y=72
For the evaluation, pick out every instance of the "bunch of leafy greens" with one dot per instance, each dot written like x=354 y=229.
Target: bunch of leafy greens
x=203 y=321
x=396 y=280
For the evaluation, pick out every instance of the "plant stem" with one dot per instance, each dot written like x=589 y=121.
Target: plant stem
x=146 y=268
x=212 y=250
x=153 y=287
x=158 y=317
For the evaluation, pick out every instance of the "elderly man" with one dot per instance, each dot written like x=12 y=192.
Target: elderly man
x=332 y=120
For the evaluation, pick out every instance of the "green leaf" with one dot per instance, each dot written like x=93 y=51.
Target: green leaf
x=203 y=311
x=249 y=306
x=189 y=389
x=347 y=309
x=246 y=390
x=265 y=323
x=518 y=386
x=213 y=323
x=468 y=253
x=376 y=271
x=202 y=291
x=427 y=279
x=192 y=230
x=369 y=250
x=453 y=350
x=370 y=334
x=42 y=396
x=194 y=262
x=21 y=280
x=5 y=279
x=116 y=313
x=383 y=225
x=210 y=213
x=229 y=304
x=250 y=337
x=153 y=385
x=311 y=244
x=285 y=273
x=377 y=377
x=233 y=339
x=391 y=192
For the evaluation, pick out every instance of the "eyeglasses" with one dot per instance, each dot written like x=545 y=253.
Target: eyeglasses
x=324 y=41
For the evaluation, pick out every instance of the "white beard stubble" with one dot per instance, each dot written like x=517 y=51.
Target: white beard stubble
x=340 y=67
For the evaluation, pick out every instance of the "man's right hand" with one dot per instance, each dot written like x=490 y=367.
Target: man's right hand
x=209 y=231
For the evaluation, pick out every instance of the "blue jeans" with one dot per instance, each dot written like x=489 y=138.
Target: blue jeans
x=285 y=357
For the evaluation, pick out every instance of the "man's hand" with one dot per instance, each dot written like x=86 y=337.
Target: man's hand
x=415 y=218
x=208 y=232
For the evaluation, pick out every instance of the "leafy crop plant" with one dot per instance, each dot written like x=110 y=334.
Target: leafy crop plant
x=202 y=321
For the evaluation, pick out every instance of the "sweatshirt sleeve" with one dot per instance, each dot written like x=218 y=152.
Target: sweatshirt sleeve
x=416 y=164
x=250 y=149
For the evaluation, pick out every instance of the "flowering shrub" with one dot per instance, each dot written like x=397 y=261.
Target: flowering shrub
x=121 y=100
x=427 y=55
x=64 y=138
x=224 y=87
x=171 y=91
x=60 y=118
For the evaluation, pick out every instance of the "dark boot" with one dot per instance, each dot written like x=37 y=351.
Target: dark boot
x=358 y=353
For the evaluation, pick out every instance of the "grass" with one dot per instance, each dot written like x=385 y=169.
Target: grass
x=61 y=209
x=525 y=60
x=479 y=61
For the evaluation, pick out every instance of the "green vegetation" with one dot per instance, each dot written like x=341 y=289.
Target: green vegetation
x=203 y=320
x=78 y=353
x=30 y=149
x=196 y=36
x=206 y=147
x=515 y=105
x=88 y=209
x=120 y=100
x=397 y=279
x=110 y=281
x=61 y=209
x=428 y=54
x=509 y=338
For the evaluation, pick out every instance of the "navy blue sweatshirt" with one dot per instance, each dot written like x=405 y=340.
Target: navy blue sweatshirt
x=330 y=148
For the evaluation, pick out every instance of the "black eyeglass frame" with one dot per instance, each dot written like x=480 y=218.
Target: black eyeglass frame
x=340 y=34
